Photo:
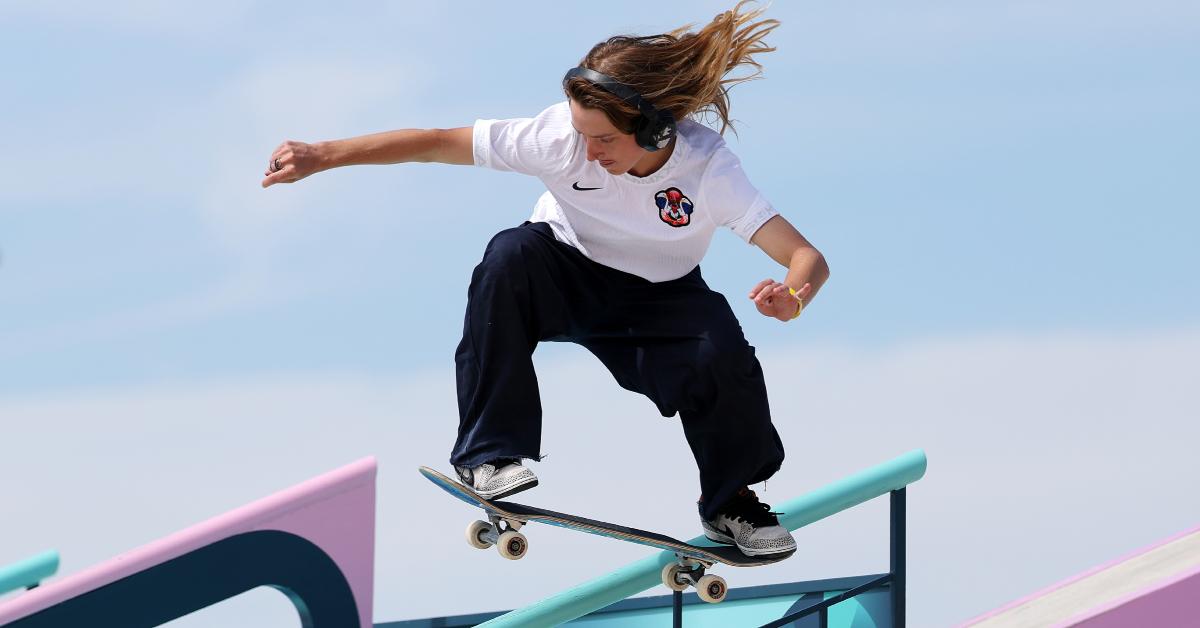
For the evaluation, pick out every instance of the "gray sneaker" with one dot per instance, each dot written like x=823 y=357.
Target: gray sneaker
x=498 y=478
x=751 y=526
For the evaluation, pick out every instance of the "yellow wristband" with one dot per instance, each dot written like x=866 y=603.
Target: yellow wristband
x=799 y=303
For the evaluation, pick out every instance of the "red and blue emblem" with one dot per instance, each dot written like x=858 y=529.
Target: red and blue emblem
x=674 y=208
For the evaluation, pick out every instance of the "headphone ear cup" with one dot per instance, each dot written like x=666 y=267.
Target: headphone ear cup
x=653 y=135
x=642 y=134
x=660 y=131
x=667 y=131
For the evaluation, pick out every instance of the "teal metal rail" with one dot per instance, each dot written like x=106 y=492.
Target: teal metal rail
x=634 y=578
x=28 y=573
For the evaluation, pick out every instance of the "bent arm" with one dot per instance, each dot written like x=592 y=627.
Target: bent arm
x=784 y=244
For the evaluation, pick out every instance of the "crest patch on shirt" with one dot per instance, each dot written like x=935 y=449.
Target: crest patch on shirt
x=674 y=208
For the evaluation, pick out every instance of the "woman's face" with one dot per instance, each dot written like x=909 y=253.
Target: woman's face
x=617 y=152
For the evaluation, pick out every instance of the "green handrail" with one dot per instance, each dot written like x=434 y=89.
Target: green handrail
x=28 y=573
x=636 y=577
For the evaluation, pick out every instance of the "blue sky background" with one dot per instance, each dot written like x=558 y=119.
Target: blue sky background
x=976 y=174
x=1022 y=166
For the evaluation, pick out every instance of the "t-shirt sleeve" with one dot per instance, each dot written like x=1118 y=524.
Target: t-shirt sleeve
x=732 y=200
x=537 y=146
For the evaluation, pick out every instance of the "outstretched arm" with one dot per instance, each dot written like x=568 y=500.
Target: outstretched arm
x=296 y=160
x=807 y=270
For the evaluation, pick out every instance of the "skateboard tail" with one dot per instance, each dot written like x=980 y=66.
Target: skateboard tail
x=449 y=486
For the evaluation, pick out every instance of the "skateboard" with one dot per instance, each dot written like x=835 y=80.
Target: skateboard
x=505 y=519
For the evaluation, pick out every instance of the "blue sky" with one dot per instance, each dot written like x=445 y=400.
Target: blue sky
x=1016 y=167
x=972 y=171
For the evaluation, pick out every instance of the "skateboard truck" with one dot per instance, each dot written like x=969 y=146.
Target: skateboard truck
x=686 y=572
x=500 y=532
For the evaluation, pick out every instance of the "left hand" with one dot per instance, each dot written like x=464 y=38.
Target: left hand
x=772 y=299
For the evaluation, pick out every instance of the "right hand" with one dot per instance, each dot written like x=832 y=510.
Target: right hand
x=296 y=160
x=773 y=299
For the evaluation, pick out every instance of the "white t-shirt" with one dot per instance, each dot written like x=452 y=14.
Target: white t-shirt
x=656 y=227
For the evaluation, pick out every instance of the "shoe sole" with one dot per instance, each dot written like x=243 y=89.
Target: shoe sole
x=509 y=491
x=768 y=552
x=719 y=537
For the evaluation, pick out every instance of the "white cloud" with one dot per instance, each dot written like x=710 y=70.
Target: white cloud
x=1048 y=455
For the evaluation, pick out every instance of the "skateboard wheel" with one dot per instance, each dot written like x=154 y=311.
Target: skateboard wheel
x=711 y=589
x=475 y=533
x=670 y=577
x=512 y=545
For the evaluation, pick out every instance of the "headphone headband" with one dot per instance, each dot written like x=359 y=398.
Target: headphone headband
x=656 y=128
x=614 y=87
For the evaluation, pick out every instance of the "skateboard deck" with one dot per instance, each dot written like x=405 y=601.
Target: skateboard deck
x=509 y=512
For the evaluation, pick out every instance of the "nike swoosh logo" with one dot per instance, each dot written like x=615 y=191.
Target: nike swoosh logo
x=575 y=186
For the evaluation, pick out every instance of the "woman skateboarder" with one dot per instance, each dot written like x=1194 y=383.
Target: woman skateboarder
x=609 y=260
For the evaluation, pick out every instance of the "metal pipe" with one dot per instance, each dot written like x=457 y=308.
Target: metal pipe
x=898 y=560
x=636 y=577
x=28 y=573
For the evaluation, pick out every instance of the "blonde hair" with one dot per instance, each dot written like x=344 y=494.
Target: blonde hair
x=680 y=71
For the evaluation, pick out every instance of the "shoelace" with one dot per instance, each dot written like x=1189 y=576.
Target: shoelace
x=752 y=511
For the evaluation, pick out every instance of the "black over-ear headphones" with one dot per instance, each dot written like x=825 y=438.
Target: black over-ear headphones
x=654 y=129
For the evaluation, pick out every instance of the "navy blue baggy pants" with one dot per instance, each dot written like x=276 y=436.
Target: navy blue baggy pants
x=676 y=342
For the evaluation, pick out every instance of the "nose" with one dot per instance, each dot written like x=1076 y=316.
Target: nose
x=593 y=150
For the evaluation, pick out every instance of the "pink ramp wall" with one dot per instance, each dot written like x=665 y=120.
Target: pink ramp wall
x=1157 y=586
x=334 y=511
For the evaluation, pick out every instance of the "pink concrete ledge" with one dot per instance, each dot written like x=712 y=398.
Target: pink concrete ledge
x=1158 y=585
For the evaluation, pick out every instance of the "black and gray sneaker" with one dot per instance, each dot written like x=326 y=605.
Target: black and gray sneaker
x=498 y=478
x=751 y=526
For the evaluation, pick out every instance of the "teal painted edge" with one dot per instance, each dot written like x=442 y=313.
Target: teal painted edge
x=636 y=577
x=28 y=572
x=851 y=491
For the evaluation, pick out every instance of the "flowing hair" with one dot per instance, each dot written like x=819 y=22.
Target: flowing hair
x=680 y=71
